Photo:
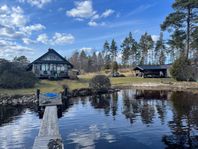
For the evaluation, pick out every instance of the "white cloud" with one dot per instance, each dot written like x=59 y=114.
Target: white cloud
x=57 y=39
x=37 y=3
x=12 y=17
x=43 y=38
x=9 y=49
x=94 y=23
x=83 y=9
x=155 y=37
x=107 y=13
x=87 y=50
x=96 y=16
x=28 y=41
x=35 y=27
x=12 y=22
x=61 y=38
x=10 y=33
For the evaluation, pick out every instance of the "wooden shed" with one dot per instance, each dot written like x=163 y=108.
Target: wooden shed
x=152 y=71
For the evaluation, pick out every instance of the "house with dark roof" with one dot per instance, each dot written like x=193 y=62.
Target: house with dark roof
x=152 y=71
x=50 y=65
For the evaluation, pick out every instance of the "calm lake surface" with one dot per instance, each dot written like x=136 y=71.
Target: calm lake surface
x=128 y=119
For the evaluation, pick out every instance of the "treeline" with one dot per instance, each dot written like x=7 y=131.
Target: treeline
x=182 y=25
x=88 y=63
x=106 y=59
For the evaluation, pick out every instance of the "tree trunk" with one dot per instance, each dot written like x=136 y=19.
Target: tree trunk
x=188 y=32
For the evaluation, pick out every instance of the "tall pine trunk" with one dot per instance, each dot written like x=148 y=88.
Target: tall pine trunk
x=188 y=32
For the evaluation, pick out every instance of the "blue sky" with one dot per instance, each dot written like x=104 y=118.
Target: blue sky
x=30 y=27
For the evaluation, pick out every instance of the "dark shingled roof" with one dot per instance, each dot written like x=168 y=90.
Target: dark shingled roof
x=39 y=61
x=151 y=67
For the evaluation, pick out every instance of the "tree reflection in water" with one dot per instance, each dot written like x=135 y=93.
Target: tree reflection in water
x=174 y=115
x=9 y=113
x=144 y=104
x=184 y=123
x=101 y=102
x=148 y=104
x=108 y=102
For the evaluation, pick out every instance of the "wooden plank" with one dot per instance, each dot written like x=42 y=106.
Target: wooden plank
x=49 y=126
x=47 y=101
x=49 y=131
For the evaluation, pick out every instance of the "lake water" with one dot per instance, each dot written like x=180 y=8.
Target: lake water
x=128 y=119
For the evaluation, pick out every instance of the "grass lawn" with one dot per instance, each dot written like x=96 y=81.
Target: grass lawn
x=56 y=86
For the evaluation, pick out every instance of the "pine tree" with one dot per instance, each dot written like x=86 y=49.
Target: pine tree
x=184 y=18
x=129 y=50
x=162 y=58
x=176 y=44
x=100 y=61
x=160 y=50
x=146 y=44
x=133 y=49
x=125 y=51
x=74 y=59
x=106 y=55
x=83 y=61
x=113 y=50
x=90 y=65
x=194 y=44
x=94 y=65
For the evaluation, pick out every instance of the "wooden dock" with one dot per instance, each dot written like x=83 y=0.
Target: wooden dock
x=49 y=101
x=49 y=136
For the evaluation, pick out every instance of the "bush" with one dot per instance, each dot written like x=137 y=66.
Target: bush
x=181 y=70
x=12 y=75
x=100 y=83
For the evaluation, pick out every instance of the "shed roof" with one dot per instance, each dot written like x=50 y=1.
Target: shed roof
x=152 y=67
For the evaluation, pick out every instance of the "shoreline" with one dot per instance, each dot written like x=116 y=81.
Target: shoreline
x=178 y=86
x=81 y=92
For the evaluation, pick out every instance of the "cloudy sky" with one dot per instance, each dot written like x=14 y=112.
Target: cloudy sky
x=30 y=27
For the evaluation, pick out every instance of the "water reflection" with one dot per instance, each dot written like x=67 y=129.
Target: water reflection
x=19 y=126
x=101 y=102
x=86 y=138
x=176 y=112
x=127 y=119
x=146 y=104
x=184 y=123
x=10 y=113
x=7 y=113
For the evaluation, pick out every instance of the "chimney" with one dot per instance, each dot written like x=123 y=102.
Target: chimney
x=50 y=50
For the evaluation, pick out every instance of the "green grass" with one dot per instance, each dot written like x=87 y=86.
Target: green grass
x=126 y=81
x=56 y=86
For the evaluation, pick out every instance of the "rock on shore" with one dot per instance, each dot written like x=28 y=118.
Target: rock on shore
x=31 y=99
x=17 y=99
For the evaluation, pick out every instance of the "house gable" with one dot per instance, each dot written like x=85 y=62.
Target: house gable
x=51 y=57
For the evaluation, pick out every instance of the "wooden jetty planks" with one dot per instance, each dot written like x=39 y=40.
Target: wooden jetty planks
x=46 y=101
x=49 y=129
x=49 y=126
